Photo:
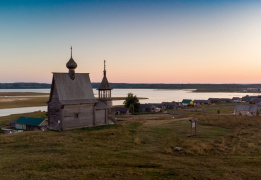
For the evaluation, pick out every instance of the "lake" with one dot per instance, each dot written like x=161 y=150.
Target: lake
x=154 y=95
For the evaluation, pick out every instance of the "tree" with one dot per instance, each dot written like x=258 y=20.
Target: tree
x=131 y=108
x=132 y=100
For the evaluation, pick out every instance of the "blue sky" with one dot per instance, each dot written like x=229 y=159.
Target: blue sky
x=142 y=41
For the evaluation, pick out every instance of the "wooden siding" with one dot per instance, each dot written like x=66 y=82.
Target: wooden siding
x=20 y=126
x=77 y=116
x=100 y=117
x=76 y=107
x=107 y=102
x=54 y=110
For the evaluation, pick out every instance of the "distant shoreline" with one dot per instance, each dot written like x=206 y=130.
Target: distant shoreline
x=224 y=91
x=198 y=87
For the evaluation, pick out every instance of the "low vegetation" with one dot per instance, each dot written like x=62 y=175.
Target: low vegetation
x=28 y=99
x=16 y=102
x=139 y=147
x=23 y=94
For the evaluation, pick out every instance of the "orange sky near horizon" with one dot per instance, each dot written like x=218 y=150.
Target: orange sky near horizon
x=156 y=42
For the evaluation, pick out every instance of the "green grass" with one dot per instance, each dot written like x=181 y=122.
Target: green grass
x=224 y=108
x=140 y=147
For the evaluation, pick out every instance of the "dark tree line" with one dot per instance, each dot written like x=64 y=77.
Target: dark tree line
x=201 y=87
x=25 y=86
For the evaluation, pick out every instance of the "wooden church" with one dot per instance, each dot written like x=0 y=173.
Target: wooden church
x=72 y=103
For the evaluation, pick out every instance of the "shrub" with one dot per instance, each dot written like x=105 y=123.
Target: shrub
x=131 y=108
x=132 y=100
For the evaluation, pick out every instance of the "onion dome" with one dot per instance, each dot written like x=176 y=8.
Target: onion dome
x=71 y=64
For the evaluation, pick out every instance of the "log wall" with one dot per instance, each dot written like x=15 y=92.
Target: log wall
x=100 y=117
x=54 y=111
x=77 y=116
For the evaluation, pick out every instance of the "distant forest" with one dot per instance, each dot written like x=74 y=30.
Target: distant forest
x=138 y=86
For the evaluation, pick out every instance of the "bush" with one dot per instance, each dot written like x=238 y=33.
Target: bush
x=132 y=100
x=131 y=108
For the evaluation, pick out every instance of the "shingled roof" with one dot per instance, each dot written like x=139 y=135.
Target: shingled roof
x=242 y=107
x=186 y=101
x=101 y=105
x=77 y=91
x=104 y=84
x=30 y=121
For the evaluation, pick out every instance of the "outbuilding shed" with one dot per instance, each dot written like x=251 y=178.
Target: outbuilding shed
x=30 y=123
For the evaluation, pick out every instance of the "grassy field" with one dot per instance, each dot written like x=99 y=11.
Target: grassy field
x=16 y=102
x=138 y=147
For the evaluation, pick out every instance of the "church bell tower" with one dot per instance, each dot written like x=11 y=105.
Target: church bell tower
x=105 y=89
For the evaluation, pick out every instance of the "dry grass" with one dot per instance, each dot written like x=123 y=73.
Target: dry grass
x=11 y=100
x=23 y=94
x=139 y=147
x=15 y=102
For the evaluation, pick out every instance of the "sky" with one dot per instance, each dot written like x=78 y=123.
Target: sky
x=142 y=41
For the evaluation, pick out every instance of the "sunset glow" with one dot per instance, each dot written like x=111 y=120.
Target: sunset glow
x=142 y=41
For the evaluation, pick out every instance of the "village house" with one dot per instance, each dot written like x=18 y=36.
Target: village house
x=187 y=102
x=147 y=108
x=247 y=109
x=72 y=103
x=202 y=102
x=121 y=110
x=214 y=100
x=30 y=123
x=248 y=98
x=255 y=110
x=220 y=100
x=236 y=99
x=226 y=100
x=12 y=123
x=255 y=101
x=159 y=107
x=171 y=105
